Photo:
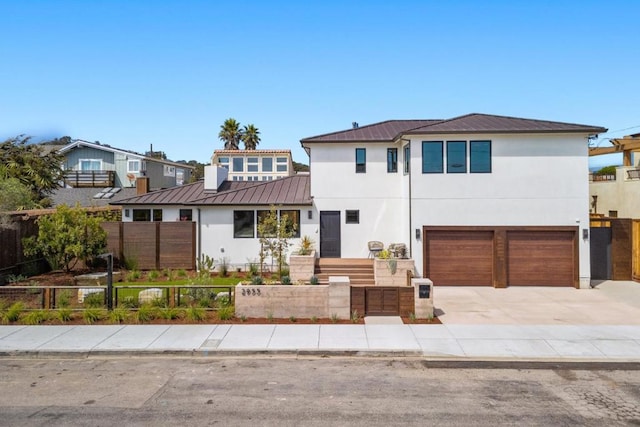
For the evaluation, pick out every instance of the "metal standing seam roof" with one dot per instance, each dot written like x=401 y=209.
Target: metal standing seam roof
x=293 y=190
x=470 y=123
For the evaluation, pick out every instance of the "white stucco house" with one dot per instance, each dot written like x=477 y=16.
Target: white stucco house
x=478 y=199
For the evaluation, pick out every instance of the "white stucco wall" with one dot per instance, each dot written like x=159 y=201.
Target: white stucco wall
x=536 y=180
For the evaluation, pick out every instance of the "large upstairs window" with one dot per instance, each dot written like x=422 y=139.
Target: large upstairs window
x=432 y=157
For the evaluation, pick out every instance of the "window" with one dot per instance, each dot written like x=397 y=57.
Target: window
x=224 y=162
x=392 y=160
x=141 y=215
x=352 y=217
x=268 y=232
x=252 y=164
x=456 y=156
x=294 y=221
x=267 y=164
x=90 y=164
x=157 y=215
x=480 y=156
x=186 y=214
x=361 y=160
x=407 y=159
x=432 y=157
x=243 y=224
x=133 y=166
x=281 y=164
x=238 y=164
x=169 y=170
x=613 y=214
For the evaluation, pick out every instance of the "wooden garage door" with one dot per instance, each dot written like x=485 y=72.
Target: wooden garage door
x=545 y=258
x=459 y=257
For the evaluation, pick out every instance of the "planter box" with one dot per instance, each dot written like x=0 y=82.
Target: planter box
x=385 y=277
x=302 y=267
x=303 y=301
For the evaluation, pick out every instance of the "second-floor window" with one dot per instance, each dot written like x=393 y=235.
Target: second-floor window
x=480 y=156
x=392 y=160
x=133 y=166
x=407 y=159
x=432 y=157
x=90 y=164
x=281 y=164
x=361 y=160
x=252 y=164
x=238 y=164
x=456 y=156
x=267 y=164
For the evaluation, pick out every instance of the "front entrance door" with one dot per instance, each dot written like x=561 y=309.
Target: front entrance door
x=381 y=301
x=330 y=234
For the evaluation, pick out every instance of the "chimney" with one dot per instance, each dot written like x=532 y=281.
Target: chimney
x=214 y=176
x=142 y=185
x=355 y=125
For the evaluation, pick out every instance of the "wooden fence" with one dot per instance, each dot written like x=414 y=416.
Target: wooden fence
x=152 y=245
x=615 y=248
x=12 y=259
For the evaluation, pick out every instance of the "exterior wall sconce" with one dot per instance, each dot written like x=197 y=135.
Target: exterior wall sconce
x=585 y=233
x=417 y=234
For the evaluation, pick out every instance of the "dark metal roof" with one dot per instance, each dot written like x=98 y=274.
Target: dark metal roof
x=383 y=131
x=293 y=190
x=470 y=123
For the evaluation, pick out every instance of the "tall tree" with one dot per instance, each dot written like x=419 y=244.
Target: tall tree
x=250 y=137
x=230 y=134
x=38 y=170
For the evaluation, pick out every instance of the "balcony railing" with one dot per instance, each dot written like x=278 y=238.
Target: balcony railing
x=90 y=178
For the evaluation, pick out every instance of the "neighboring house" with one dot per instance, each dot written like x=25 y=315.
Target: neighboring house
x=616 y=195
x=254 y=165
x=227 y=212
x=91 y=164
x=478 y=199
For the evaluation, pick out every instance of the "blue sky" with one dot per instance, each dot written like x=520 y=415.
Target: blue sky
x=168 y=73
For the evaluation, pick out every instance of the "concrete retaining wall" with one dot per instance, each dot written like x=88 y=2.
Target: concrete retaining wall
x=383 y=272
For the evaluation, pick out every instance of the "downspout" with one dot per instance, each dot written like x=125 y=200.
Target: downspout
x=199 y=236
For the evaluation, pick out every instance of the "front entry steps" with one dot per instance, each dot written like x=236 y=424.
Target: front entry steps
x=359 y=270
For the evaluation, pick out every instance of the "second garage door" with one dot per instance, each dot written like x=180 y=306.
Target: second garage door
x=540 y=258
x=459 y=257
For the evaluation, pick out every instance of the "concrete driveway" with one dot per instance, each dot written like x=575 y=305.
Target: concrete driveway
x=607 y=303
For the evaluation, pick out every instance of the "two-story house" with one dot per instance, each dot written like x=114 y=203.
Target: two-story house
x=478 y=199
x=91 y=164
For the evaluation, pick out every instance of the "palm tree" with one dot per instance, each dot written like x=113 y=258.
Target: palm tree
x=230 y=133
x=250 y=137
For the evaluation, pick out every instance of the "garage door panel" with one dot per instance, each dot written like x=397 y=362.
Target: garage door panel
x=459 y=257
x=544 y=258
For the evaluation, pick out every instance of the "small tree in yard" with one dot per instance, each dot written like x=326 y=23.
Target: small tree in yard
x=66 y=236
x=274 y=233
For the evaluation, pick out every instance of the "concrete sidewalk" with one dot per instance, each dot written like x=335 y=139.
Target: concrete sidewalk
x=514 y=324
x=614 y=343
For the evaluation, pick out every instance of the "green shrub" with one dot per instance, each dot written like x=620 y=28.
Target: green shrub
x=226 y=313
x=130 y=263
x=36 y=317
x=133 y=275
x=313 y=280
x=146 y=313
x=314 y=319
x=153 y=275
x=355 y=317
x=293 y=319
x=118 y=315
x=334 y=318
x=129 y=302
x=92 y=315
x=224 y=267
x=64 y=315
x=195 y=314
x=12 y=314
x=257 y=280
x=607 y=170
x=94 y=300
x=182 y=273
x=204 y=302
x=168 y=273
x=171 y=313
x=254 y=269
x=285 y=280
x=64 y=298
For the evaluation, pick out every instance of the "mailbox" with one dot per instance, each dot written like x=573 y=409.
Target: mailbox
x=424 y=291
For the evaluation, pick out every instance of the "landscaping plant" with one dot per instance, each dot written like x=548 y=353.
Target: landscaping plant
x=226 y=313
x=92 y=315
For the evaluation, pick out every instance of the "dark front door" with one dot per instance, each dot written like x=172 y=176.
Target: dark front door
x=330 y=234
x=600 y=242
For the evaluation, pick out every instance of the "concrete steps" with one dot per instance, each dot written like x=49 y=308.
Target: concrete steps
x=359 y=270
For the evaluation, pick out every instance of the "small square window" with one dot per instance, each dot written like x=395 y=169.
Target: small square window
x=157 y=215
x=352 y=217
x=186 y=215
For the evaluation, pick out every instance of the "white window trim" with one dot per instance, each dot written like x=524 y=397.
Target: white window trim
x=129 y=170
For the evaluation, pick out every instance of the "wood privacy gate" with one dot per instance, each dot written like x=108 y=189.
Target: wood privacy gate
x=615 y=249
x=153 y=245
x=382 y=300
